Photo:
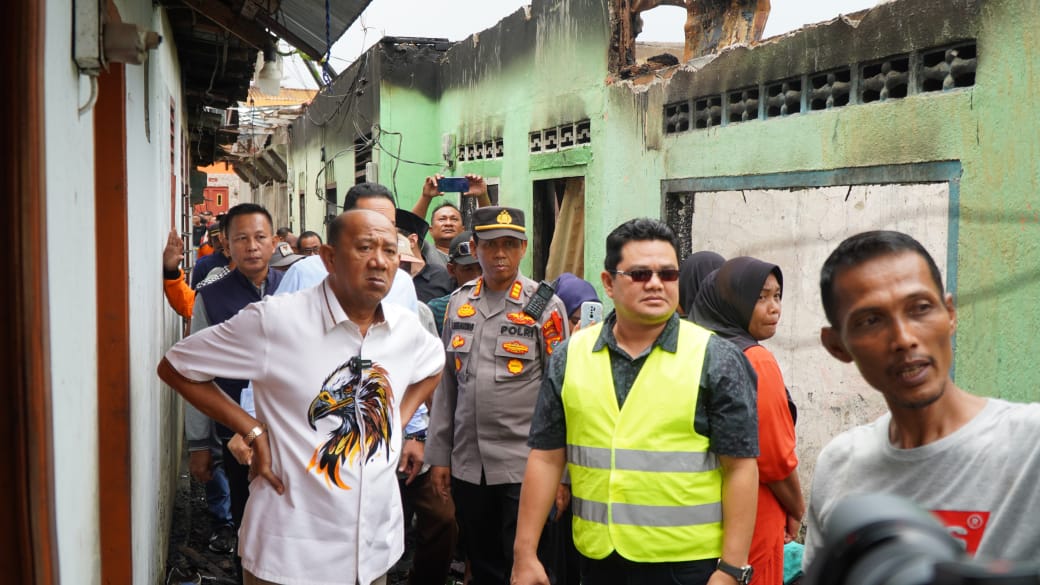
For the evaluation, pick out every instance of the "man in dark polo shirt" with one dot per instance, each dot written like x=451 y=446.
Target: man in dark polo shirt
x=249 y=233
x=431 y=281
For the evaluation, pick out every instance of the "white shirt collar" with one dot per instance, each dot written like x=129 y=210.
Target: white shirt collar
x=334 y=314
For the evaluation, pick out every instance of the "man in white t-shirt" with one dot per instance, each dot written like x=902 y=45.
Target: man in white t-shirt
x=973 y=462
x=335 y=374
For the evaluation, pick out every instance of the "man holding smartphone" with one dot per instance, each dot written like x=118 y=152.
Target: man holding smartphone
x=499 y=331
x=446 y=221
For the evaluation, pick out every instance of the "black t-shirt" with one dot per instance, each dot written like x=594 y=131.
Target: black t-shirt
x=432 y=282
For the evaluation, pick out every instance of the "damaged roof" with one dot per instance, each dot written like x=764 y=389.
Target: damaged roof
x=217 y=45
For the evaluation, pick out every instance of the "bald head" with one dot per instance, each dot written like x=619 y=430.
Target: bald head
x=348 y=222
x=361 y=258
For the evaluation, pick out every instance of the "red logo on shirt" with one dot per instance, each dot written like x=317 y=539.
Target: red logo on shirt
x=967 y=527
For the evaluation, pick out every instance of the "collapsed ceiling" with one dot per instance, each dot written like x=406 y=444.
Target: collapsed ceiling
x=217 y=45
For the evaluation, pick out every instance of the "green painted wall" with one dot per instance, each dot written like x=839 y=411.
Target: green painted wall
x=527 y=74
x=537 y=71
x=408 y=119
x=999 y=257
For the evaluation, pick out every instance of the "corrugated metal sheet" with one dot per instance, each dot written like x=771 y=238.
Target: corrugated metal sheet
x=286 y=97
x=306 y=19
x=217 y=45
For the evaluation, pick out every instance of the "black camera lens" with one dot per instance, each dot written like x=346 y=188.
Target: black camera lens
x=878 y=539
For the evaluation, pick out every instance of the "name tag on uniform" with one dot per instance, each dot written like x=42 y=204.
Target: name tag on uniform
x=461 y=325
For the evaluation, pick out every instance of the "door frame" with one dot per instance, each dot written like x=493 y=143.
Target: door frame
x=29 y=553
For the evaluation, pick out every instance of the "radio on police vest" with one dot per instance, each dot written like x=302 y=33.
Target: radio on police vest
x=542 y=295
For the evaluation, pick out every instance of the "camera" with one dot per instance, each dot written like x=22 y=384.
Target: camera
x=881 y=539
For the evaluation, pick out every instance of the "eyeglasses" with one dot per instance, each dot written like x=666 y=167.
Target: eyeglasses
x=645 y=274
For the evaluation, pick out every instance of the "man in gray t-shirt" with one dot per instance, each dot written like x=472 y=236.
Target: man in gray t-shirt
x=973 y=462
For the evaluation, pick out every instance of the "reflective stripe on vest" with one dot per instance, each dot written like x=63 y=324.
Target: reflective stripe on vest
x=644 y=483
x=647 y=515
x=679 y=461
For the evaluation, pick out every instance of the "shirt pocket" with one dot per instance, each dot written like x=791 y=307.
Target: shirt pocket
x=515 y=357
x=459 y=345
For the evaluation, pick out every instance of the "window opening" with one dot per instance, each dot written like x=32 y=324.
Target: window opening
x=362 y=156
x=557 y=228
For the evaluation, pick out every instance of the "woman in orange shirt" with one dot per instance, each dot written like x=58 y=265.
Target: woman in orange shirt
x=741 y=302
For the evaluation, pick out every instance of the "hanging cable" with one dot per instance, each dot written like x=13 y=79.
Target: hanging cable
x=328 y=43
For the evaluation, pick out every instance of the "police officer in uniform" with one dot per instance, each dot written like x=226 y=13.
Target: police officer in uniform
x=499 y=332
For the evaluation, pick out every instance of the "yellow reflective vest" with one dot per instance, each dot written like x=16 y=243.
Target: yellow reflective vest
x=642 y=478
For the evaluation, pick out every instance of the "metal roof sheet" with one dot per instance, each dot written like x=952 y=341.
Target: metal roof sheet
x=306 y=20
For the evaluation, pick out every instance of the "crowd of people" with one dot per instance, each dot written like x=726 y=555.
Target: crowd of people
x=403 y=374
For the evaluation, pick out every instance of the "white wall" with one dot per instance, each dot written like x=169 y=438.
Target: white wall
x=797 y=230
x=72 y=290
x=69 y=176
x=155 y=422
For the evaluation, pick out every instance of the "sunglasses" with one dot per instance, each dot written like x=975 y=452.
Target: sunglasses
x=645 y=274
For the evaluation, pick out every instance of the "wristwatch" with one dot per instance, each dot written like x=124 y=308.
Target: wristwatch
x=741 y=574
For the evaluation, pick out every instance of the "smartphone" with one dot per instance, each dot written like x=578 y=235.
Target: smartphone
x=453 y=184
x=591 y=313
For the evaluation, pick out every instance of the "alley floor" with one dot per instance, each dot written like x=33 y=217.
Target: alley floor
x=189 y=560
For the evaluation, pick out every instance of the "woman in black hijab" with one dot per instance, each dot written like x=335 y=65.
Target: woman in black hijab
x=741 y=302
x=692 y=271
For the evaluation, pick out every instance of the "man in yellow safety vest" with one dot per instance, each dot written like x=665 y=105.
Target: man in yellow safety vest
x=662 y=457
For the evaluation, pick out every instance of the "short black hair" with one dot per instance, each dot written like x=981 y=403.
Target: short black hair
x=364 y=191
x=283 y=231
x=334 y=228
x=443 y=205
x=309 y=234
x=243 y=209
x=861 y=248
x=639 y=229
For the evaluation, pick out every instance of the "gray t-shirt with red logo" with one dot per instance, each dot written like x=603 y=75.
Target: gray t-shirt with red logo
x=982 y=481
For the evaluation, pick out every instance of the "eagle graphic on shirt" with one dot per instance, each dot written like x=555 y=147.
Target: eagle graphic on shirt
x=361 y=400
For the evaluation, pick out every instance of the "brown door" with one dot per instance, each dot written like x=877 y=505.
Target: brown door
x=27 y=549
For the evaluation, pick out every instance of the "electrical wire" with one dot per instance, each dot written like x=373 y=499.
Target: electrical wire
x=93 y=97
